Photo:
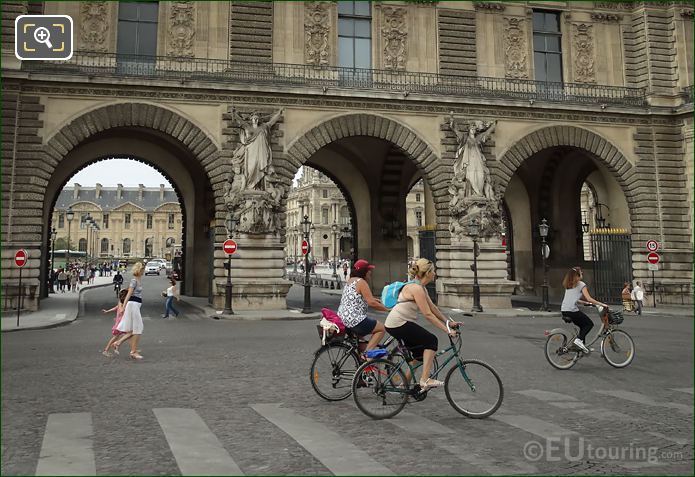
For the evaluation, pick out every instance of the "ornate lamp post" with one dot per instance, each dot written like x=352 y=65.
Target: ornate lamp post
x=312 y=230
x=295 y=237
x=230 y=224
x=86 y=222
x=307 y=228
x=543 y=228
x=474 y=233
x=53 y=255
x=69 y=215
x=334 y=231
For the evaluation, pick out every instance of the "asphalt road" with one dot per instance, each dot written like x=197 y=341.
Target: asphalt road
x=234 y=397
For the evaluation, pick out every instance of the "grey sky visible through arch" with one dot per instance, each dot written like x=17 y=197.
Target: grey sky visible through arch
x=128 y=172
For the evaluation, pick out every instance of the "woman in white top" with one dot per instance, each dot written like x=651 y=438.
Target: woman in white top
x=171 y=293
x=577 y=292
x=401 y=320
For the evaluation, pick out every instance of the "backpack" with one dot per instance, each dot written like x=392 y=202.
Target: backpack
x=389 y=295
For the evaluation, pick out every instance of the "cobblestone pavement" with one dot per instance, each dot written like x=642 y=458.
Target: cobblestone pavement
x=242 y=399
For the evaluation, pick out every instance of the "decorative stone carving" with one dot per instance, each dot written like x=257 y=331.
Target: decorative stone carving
x=317 y=23
x=94 y=26
x=606 y=17
x=515 y=51
x=394 y=32
x=489 y=6
x=253 y=192
x=687 y=13
x=583 y=53
x=181 y=29
x=471 y=189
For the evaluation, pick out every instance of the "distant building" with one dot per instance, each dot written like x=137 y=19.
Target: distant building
x=134 y=222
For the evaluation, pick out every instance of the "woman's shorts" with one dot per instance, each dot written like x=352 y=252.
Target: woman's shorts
x=415 y=338
x=364 y=327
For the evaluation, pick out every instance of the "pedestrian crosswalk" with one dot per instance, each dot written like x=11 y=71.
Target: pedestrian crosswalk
x=453 y=443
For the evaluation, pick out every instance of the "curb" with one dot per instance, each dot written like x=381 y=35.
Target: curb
x=212 y=314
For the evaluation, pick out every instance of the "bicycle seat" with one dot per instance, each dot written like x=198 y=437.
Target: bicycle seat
x=376 y=353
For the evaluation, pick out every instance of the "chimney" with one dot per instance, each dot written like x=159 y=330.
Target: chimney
x=97 y=194
x=161 y=192
x=119 y=194
x=76 y=191
x=141 y=189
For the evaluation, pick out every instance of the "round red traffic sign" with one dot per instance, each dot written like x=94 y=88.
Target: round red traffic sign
x=652 y=245
x=305 y=247
x=21 y=257
x=653 y=258
x=229 y=246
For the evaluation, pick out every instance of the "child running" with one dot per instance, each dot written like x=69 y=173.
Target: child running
x=119 y=309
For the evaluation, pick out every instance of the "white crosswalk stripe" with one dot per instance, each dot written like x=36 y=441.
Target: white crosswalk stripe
x=646 y=400
x=67 y=446
x=684 y=390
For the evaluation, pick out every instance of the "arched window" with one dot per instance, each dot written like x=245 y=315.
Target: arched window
x=104 y=245
x=82 y=245
x=170 y=241
x=148 y=247
x=126 y=246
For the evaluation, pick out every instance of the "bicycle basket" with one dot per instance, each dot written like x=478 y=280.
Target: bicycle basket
x=615 y=317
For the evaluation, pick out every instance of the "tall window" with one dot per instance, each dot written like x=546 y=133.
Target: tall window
x=355 y=34
x=137 y=28
x=126 y=246
x=105 y=220
x=171 y=221
x=61 y=221
x=325 y=193
x=417 y=197
x=82 y=245
x=149 y=221
x=418 y=218
x=104 y=245
x=126 y=222
x=547 y=51
x=324 y=216
x=148 y=247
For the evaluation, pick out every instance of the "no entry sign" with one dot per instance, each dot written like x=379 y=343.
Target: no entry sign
x=652 y=245
x=305 y=247
x=229 y=246
x=21 y=257
x=653 y=257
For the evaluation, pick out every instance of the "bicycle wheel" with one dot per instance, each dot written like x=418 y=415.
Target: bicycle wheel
x=618 y=349
x=474 y=389
x=557 y=352
x=380 y=389
x=332 y=371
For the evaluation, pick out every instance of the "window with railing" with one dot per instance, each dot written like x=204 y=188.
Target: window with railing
x=126 y=221
x=126 y=246
x=104 y=245
x=418 y=218
x=105 y=220
x=354 y=38
x=547 y=48
x=137 y=35
x=171 y=221
x=149 y=221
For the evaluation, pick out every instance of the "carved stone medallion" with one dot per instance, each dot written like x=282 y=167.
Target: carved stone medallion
x=94 y=26
x=394 y=32
x=181 y=29
x=515 y=51
x=583 y=53
x=316 y=29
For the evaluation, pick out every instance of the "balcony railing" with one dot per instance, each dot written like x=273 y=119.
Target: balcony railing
x=282 y=74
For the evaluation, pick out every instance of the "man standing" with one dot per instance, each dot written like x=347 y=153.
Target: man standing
x=638 y=296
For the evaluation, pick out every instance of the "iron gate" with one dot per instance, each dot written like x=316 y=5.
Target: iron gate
x=612 y=263
x=428 y=251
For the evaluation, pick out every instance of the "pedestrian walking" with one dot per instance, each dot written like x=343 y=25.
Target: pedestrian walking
x=638 y=297
x=73 y=281
x=81 y=275
x=131 y=324
x=626 y=296
x=62 y=280
x=345 y=272
x=115 y=334
x=171 y=293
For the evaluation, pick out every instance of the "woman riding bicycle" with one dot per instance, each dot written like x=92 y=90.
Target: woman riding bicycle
x=577 y=291
x=356 y=298
x=401 y=320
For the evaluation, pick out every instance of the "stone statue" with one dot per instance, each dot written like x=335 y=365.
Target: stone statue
x=255 y=147
x=470 y=161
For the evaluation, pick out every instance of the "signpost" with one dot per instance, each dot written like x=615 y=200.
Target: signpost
x=21 y=257
x=229 y=247
x=305 y=247
x=652 y=245
x=653 y=259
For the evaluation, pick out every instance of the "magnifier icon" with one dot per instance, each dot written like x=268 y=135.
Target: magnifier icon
x=42 y=35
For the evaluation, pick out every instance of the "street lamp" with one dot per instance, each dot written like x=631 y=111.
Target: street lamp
x=334 y=231
x=474 y=233
x=600 y=219
x=295 y=237
x=312 y=229
x=69 y=215
x=230 y=223
x=53 y=255
x=543 y=228
x=307 y=227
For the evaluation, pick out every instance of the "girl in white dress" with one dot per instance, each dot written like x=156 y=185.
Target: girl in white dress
x=131 y=324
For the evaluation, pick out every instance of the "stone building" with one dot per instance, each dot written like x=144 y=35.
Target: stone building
x=134 y=222
x=505 y=110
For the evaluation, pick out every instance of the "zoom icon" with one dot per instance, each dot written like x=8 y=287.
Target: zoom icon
x=43 y=37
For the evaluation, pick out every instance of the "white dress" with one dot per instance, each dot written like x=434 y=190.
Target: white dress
x=132 y=320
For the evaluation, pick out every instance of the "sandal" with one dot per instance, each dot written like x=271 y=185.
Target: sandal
x=114 y=347
x=135 y=356
x=106 y=353
x=430 y=383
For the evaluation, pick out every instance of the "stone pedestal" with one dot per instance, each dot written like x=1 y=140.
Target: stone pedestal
x=455 y=282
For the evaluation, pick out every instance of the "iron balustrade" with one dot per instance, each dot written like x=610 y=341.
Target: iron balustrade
x=99 y=64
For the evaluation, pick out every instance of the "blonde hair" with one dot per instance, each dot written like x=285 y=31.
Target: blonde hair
x=571 y=278
x=420 y=267
x=138 y=269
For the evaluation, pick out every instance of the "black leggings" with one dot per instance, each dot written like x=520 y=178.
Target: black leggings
x=582 y=321
x=415 y=338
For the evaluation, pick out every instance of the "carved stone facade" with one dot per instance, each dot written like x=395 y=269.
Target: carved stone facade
x=181 y=29
x=606 y=17
x=94 y=26
x=583 y=42
x=489 y=6
x=515 y=50
x=394 y=31
x=317 y=27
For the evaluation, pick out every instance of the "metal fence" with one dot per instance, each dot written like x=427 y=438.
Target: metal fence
x=612 y=264
x=93 y=64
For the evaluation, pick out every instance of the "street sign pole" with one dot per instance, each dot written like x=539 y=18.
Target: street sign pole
x=229 y=248
x=654 y=288
x=19 y=297
x=307 y=284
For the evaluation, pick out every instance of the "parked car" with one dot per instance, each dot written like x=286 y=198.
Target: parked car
x=152 y=268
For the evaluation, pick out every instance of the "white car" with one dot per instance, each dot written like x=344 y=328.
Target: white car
x=152 y=268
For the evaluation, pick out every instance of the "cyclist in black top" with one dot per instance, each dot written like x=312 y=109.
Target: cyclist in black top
x=117 y=281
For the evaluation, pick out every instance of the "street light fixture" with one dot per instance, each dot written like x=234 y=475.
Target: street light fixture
x=307 y=228
x=543 y=229
x=295 y=237
x=334 y=231
x=230 y=223
x=69 y=215
x=600 y=219
x=474 y=233
x=312 y=229
x=53 y=252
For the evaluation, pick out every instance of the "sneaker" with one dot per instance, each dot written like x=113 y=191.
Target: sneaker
x=580 y=344
x=430 y=383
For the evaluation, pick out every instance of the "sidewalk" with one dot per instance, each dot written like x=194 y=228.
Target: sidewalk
x=58 y=309
x=200 y=304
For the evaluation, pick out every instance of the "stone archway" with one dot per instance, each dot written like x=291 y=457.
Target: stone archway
x=163 y=139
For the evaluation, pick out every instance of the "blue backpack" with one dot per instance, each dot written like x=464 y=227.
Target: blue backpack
x=389 y=295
